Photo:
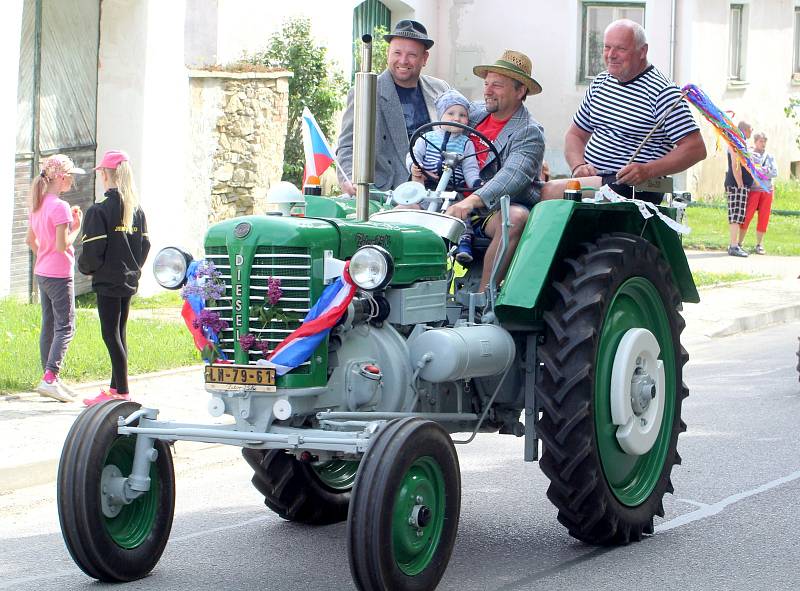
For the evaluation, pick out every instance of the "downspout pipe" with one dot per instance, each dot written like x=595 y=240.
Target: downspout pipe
x=673 y=25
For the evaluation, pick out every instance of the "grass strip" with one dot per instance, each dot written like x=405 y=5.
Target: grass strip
x=153 y=345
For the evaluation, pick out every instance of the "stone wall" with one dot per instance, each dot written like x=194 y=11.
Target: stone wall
x=238 y=129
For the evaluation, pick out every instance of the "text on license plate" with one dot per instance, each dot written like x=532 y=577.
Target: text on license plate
x=234 y=377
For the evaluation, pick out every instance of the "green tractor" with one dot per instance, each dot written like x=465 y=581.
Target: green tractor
x=578 y=352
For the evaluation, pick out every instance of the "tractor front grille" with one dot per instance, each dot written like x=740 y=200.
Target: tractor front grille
x=292 y=265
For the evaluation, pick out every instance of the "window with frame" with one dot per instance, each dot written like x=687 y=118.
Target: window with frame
x=596 y=17
x=796 y=55
x=737 y=43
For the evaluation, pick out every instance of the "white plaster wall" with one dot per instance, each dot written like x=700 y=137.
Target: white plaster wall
x=477 y=32
x=768 y=73
x=247 y=25
x=10 y=31
x=206 y=100
x=143 y=109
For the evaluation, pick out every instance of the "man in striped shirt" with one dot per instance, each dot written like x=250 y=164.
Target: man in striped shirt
x=622 y=105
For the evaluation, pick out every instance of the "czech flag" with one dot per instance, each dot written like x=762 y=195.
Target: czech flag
x=319 y=156
x=300 y=344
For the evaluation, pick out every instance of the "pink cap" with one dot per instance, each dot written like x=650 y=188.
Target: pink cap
x=112 y=159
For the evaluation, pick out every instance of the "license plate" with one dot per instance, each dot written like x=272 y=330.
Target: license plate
x=236 y=377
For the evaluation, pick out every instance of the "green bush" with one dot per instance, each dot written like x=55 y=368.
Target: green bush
x=316 y=84
x=380 y=50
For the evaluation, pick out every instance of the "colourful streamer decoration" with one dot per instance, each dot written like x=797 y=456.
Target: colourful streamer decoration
x=727 y=130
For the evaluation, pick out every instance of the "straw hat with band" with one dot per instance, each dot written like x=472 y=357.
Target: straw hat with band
x=515 y=65
x=409 y=29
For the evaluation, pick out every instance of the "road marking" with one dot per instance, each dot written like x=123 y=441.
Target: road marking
x=214 y=530
x=706 y=511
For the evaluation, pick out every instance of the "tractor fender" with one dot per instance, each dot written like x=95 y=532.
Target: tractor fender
x=553 y=231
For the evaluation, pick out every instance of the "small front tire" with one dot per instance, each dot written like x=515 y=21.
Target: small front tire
x=126 y=545
x=405 y=508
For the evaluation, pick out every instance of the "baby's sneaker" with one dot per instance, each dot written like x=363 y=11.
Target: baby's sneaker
x=464 y=250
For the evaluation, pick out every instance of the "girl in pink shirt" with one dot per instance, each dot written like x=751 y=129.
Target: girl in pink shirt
x=52 y=229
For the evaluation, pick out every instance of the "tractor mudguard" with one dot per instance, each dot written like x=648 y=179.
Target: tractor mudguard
x=553 y=231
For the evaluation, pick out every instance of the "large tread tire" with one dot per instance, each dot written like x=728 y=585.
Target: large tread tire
x=411 y=463
x=571 y=428
x=798 y=360
x=128 y=546
x=293 y=490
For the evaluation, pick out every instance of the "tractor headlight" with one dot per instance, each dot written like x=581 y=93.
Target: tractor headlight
x=170 y=266
x=371 y=267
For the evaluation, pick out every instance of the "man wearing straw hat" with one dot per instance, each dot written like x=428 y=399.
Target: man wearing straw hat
x=405 y=102
x=633 y=124
x=519 y=139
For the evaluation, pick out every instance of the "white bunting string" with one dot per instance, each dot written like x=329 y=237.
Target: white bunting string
x=646 y=209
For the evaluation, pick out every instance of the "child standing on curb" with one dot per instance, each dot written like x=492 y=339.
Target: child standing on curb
x=115 y=246
x=52 y=229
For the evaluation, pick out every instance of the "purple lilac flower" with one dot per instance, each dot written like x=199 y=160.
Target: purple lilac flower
x=246 y=341
x=191 y=289
x=274 y=291
x=206 y=284
x=210 y=320
x=263 y=346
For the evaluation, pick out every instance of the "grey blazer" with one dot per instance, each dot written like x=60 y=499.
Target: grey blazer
x=391 y=137
x=521 y=147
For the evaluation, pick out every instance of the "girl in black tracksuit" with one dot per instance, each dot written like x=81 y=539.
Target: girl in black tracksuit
x=115 y=246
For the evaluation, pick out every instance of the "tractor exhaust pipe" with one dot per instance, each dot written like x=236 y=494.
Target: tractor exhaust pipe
x=364 y=129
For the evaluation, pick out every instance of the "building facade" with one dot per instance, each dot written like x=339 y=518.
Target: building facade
x=93 y=75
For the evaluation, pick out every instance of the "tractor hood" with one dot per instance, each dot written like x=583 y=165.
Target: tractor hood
x=418 y=253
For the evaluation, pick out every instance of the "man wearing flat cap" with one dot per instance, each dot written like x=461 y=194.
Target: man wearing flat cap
x=519 y=139
x=405 y=102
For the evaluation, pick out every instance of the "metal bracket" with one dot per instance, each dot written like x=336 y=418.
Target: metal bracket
x=505 y=224
x=531 y=412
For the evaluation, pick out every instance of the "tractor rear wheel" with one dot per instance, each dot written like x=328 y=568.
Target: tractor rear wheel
x=316 y=494
x=611 y=390
x=404 y=515
x=109 y=540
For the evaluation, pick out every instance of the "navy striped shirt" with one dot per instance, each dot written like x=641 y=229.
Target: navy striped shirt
x=619 y=116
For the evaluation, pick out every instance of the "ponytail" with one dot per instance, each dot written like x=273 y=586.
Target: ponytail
x=122 y=176
x=38 y=189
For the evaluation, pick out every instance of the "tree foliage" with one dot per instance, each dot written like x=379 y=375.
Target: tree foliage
x=792 y=111
x=380 y=50
x=316 y=84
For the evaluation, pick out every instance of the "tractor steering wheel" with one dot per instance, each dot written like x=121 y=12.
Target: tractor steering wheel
x=469 y=132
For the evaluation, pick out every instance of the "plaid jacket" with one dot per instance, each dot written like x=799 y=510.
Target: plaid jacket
x=521 y=147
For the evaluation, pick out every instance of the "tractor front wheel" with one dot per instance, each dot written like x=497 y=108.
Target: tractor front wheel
x=109 y=540
x=404 y=513
x=611 y=390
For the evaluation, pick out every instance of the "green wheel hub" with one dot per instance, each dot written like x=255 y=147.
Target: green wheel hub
x=337 y=474
x=418 y=516
x=637 y=304
x=131 y=527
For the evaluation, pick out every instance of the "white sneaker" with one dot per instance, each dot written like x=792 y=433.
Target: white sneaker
x=65 y=389
x=53 y=390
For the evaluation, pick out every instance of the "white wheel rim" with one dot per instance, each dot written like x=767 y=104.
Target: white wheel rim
x=637 y=391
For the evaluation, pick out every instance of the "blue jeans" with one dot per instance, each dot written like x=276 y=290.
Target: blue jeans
x=58 y=319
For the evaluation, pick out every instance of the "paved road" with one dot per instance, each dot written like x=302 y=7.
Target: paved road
x=731 y=525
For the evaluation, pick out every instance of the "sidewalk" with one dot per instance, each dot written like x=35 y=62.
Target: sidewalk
x=33 y=429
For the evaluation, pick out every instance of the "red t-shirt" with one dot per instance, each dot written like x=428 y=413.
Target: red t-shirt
x=490 y=127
